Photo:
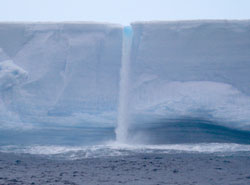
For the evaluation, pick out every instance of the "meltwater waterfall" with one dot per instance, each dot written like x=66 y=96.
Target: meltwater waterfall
x=184 y=76
x=176 y=82
x=94 y=90
x=123 y=114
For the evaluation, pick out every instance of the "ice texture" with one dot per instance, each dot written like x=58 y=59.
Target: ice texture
x=197 y=69
x=72 y=72
x=11 y=75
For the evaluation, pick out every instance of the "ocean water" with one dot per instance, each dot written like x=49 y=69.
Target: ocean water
x=180 y=136
x=113 y=149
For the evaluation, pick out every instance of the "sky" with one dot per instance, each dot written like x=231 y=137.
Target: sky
x=122 y=11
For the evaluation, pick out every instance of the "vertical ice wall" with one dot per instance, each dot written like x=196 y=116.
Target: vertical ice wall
x=72 y=69
x=69 y=73
x=124 y=97
x=191 y=69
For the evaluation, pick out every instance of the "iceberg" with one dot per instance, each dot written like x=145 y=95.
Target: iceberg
x=147 y=75
x=191 y=69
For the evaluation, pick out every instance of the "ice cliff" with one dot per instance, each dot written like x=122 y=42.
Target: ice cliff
x=191 y=69
x=69 y=73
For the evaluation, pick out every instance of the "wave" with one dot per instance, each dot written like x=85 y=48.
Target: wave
x=117 y=149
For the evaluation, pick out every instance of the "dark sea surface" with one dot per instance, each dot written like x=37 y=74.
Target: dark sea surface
x=139 y=169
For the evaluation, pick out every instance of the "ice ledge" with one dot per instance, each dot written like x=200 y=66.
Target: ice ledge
x=62 y=23
x=186 y=24
x=193 y=21
x=115 y=25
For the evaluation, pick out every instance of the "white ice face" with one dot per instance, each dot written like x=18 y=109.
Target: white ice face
x=191 y=69
x=11 y=78
x=11 y=75
x=73 y=72
x=69 y=74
